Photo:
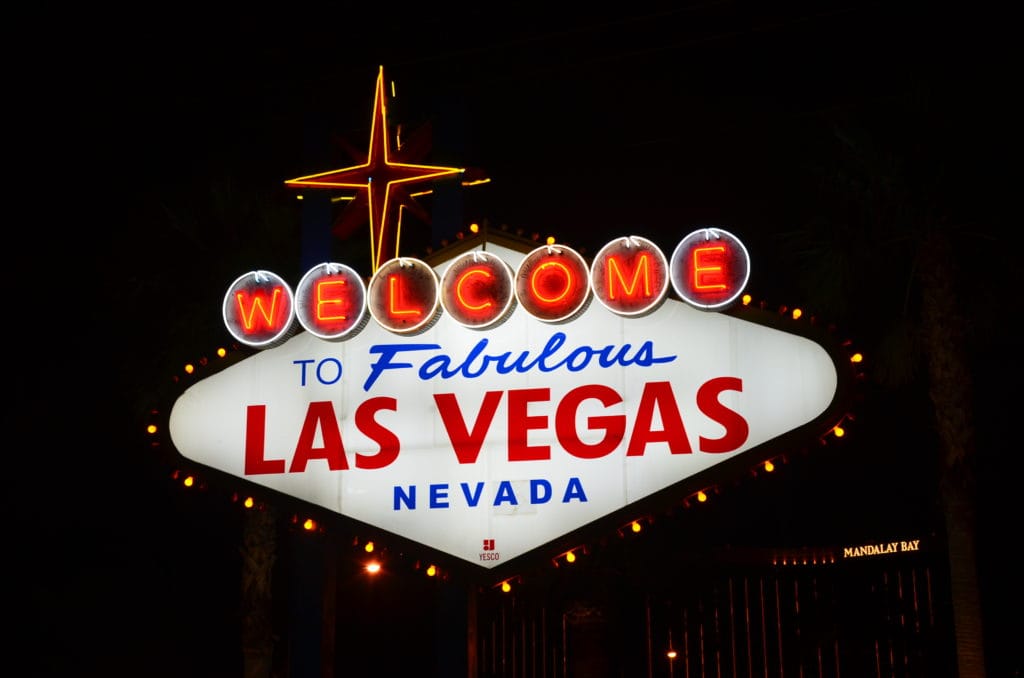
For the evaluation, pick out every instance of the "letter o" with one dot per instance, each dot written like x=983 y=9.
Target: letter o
x=337 y=371
x=553 y=283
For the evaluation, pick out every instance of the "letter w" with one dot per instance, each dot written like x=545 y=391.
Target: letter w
x=258 y=303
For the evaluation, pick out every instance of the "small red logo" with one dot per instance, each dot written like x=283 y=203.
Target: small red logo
x=488 y=544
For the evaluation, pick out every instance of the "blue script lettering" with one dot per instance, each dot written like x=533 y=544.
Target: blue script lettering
x=477 y=362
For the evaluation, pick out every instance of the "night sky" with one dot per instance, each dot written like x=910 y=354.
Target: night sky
x=155 y=147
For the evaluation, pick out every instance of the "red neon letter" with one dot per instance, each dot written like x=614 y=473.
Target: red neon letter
x=614 y=425
x=388 y=441
x=319 y=414
x=658 y=394
x=566 y=273
x=258 y=303
x=393 y=306
x=704 y=275
x=520 y=423
x=466 y=443
x=331 y=293
x=613 y=274
x=458 y=289
x=255 y=443
x=736 y=427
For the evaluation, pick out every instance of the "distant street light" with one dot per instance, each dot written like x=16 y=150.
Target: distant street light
x=671 y=654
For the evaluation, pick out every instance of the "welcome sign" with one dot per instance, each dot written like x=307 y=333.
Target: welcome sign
x=486 y=439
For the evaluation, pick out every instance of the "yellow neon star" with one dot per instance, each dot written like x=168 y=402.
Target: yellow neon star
x=381 y=181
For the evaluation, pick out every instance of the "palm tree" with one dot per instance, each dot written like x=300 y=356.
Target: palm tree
x=885 y=247
x=210 y=230
x=259 y=553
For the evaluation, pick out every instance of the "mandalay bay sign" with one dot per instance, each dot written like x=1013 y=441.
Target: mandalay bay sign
x=502 y=399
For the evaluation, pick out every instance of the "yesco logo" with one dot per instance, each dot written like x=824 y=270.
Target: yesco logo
x=489 y=554
x=630 y=276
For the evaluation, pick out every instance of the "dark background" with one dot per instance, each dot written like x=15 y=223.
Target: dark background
x=150 y=149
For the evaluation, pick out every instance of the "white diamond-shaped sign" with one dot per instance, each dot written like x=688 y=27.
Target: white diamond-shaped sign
x=485 y=445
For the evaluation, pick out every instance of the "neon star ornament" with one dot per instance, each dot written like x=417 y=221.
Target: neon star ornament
x=382 y=181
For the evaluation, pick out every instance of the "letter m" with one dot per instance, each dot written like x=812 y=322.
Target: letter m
x=614 y=275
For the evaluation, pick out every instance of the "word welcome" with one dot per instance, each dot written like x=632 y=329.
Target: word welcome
x=630 y=276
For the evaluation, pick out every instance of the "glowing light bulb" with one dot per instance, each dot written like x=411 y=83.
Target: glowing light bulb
x=570 y=557
x=701 y=496
x=505 y=587
x=769 y=466
x=248 y=502
x=309 y=524
x=636 y=526
x=431 y=571
x=856 y=358
x=151 y=429
x=373 y=567
x=369 y=547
